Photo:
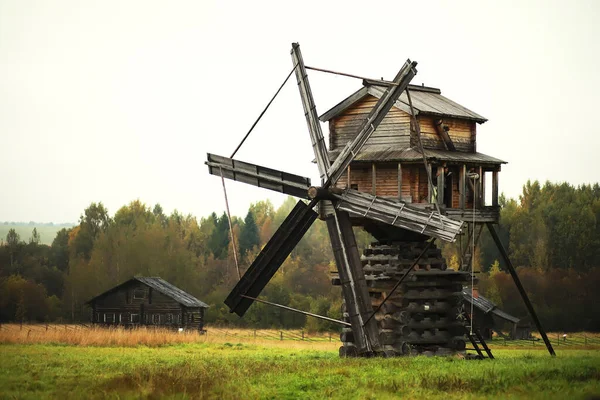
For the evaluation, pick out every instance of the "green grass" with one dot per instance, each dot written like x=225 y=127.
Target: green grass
x=248 y=371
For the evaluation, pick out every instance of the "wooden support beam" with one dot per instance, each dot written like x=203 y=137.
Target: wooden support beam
x=462 y=187
x=354 y=286
x=429 y=185
x=373 y=179
x=495 y=188
x=348 y=178
x=440 y=185
x=400 y=181
x=520 y=288
x=480 y=191
x=442 y=132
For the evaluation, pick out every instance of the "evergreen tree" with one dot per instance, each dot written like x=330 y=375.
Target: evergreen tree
x=249 y=236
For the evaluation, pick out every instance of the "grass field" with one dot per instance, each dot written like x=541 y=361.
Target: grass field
x=213 y=367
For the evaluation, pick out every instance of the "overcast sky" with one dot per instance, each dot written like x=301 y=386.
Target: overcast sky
x=113 y=101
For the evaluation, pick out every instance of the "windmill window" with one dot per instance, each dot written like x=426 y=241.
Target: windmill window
x=139 y=294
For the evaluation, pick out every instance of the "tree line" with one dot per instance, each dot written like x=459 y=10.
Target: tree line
x=552 y=233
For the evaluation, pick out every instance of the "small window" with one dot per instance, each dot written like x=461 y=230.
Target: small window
x=178 y=318
x=156 y=319
x=139 y=294
x=109 y=318
x=135 y=318
x=97 y=317
x=354 y=186
x=120 y=317
x=169 y=319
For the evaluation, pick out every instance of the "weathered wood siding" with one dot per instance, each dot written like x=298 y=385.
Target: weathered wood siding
x=386 y=180
x=394 y=130
x=462 y=134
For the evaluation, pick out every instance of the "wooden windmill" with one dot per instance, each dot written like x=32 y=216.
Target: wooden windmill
x=401 y=164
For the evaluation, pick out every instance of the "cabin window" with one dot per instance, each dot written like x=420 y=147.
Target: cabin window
x=120 y=317
x=354 y=186
x=156 y=319
x=139 y=294
x=109 y=317
x=97 y=317
x=169 y=319
x=178 y=319
x=135 y=318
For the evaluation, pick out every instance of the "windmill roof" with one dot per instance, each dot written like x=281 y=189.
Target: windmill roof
x=374 y=153
x=163 y=287
x=425 y=100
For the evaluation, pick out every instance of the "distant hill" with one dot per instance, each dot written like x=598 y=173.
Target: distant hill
x=47 y=231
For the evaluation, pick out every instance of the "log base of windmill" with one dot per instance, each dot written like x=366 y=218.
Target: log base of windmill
x=424 y=316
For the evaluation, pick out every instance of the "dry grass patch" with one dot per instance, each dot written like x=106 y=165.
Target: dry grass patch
x=78 y=335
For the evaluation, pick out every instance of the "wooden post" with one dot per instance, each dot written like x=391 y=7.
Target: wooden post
x=280 y=335
x=400 y=181
x=374 y=180
x=348 y=178
x=495 y=188
x=481 y=198
x=302 y=334
x=440 y=185
x=429 y=188
x=462 y=188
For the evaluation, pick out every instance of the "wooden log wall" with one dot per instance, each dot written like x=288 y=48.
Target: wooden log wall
x=387 y=180
x=462 y=134
x=393 y=130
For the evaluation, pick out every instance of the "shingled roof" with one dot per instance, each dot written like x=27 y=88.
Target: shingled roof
x=163 y=287
x=487 y=306
x=376 y=153
x=426 y=100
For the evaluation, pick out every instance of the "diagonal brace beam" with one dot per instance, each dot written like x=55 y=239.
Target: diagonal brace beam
x=522 y=291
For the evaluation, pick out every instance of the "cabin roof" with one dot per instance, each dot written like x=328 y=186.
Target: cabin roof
x=487 y=306
x=163 y=287
x=374 y=153
x=425 y=100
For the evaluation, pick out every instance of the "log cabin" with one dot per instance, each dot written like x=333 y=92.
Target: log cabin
x=149 y=301
x=391 y=162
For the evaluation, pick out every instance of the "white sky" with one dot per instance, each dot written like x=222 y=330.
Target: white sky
x=116 y=100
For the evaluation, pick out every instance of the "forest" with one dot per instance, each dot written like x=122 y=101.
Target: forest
x=552 y=233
